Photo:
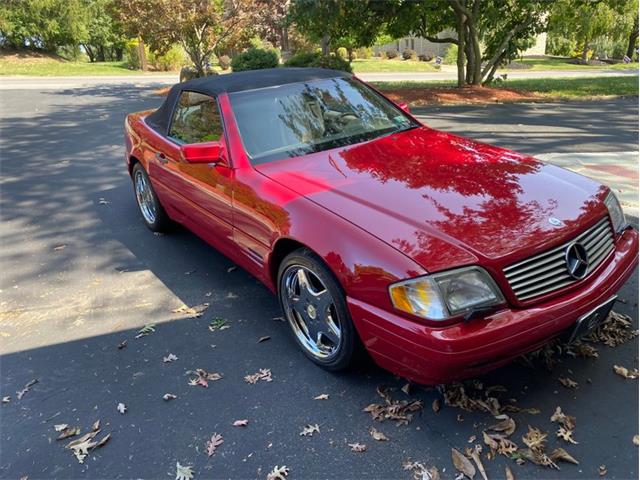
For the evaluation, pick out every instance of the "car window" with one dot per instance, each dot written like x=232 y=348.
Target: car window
x=300 y=118
x=196 y=119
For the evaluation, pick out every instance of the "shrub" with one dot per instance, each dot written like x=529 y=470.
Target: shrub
x=173 y=59
x=224 y=61
x=364 y=52
x=451 y=55
x=131 y=57
x=391 y=54
x=254 y=59
x=425 y=57
x=409 y=54
x=342 y=53
x=318 y=60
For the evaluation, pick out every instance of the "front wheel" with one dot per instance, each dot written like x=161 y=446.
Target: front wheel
x=152 y=212
x=315 y=308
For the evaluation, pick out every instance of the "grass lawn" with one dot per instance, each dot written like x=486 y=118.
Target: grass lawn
x=46 y=67
x=515 y=90
x=377 y=65
x=559 y=63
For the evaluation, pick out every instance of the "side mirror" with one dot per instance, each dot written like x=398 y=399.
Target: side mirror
x=404 y=107
x=208 y=152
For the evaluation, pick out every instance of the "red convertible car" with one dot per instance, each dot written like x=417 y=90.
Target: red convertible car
x=441 y=256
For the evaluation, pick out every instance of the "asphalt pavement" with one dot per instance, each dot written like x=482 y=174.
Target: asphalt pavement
x=81 y=275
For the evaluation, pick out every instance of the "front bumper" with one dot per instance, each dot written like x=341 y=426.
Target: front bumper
x=429 y=355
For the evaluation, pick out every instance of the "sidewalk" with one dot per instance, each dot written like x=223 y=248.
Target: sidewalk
x=61 y=83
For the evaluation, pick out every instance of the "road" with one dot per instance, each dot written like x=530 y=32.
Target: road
x=57 y=83
x=81 y=274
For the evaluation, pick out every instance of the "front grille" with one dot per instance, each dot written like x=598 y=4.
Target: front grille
x=547 y=271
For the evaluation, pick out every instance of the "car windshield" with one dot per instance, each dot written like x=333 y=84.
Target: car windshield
x=300 y=118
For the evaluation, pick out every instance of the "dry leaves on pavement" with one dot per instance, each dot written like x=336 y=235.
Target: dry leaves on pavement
x=566 y=435
x=183 y=472
x=121 y=408
x=309 y=430
x=83 y=445
x=169 y=396
x=278 y=473
x=191 y=312
x=264 y=374
x=378 y=435
x=148 y=329
x=397 y=410
x=568 y=382
x=212 y=444
x=323 y=396
x=421 y=471
x=21 y=393
x=636 y=441
x=616 y=330
x=202 y=377
x=169 y=358
x=264 y=339
x=568 y=421
x=241 y=423
x=560 y=454
x=217 y=323
x=6 y=399
x=357 y=447
x=463 y=464
x=625 y=372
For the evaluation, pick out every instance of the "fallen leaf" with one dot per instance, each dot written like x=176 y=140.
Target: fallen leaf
x=566 y=435
x=535 y=439
x=323 y=396
x=169 y=358
x=148 y=329
x=463 y=464
x=190 y=272
x=561 y=454
x=309 y=430
x=121 y=408
x=378 y=435
x=264 y=374
x=96 y=425
x=68 y=432
x=103 y=201
x=59 y=247
x=406 y=388
x=602 y=470
x=278 y=473
x=203 y=377
x=169 y=396
x=60 y=427
x=26 y=388
x=420 y=471
x=475 y=455
x=264 y=339
x=615 y=330
x=183 y=472
x=122 y=344
x=241 y=423
x=191 y=312
x=217 y=324
x=567 y=382
x=357 y=447
x=82 y=445
x=559 y=416
x=506 y=426
x=471 y=439
x=398 y=410
x=435 y=406
x=635 y=440
x=508 y=473
x=626 y=373
x=231 y=269
x=212 y=444
x=6 y=399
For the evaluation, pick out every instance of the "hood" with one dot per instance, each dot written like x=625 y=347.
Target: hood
x=445 y=200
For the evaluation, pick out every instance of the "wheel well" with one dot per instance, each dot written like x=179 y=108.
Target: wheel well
x=281 y=249
x=132 y=163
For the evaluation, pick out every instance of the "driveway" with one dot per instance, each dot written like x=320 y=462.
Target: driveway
x=81 y=275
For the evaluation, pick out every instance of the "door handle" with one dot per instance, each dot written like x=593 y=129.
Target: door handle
x=161 y=158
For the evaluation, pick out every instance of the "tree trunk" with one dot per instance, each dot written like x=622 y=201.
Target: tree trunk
x=101 y=55
x=350 y=54
x=325 y=44
x=461 y=49
x=142 y=55
x=90 y=52
x=633 y=38
x=470 y=60
x=585 y=51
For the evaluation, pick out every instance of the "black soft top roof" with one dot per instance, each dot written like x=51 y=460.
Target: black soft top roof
x=236 y=82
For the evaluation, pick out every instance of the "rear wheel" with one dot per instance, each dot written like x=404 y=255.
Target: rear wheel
x=152 y=212
x=315 y=308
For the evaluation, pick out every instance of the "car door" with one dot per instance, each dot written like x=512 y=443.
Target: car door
x=200 y=192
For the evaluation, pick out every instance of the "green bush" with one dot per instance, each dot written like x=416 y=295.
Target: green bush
x=254 y=59
x=364 y=52
x=224 y=61
x=409 y=54
x=391 y=54
x=451 y=55
x=173 y=59
x=425 y=57
x=318 y=60
x=342 y=53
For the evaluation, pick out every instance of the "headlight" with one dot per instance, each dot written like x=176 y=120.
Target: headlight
x=446 y=294
x=615 y=212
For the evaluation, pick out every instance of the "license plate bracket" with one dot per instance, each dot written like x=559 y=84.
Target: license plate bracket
x=591 y=320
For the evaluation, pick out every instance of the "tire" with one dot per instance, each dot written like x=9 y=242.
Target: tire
x=154 y=216
x=325 y=314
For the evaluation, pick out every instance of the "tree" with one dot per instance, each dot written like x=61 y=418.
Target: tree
x=42 y=24
x=105 y=39
x=199 y=26
x=500 y=26
x=338 y=23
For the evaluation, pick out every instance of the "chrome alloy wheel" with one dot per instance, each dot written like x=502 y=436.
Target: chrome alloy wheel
x=145 y=198
x=311 y=311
